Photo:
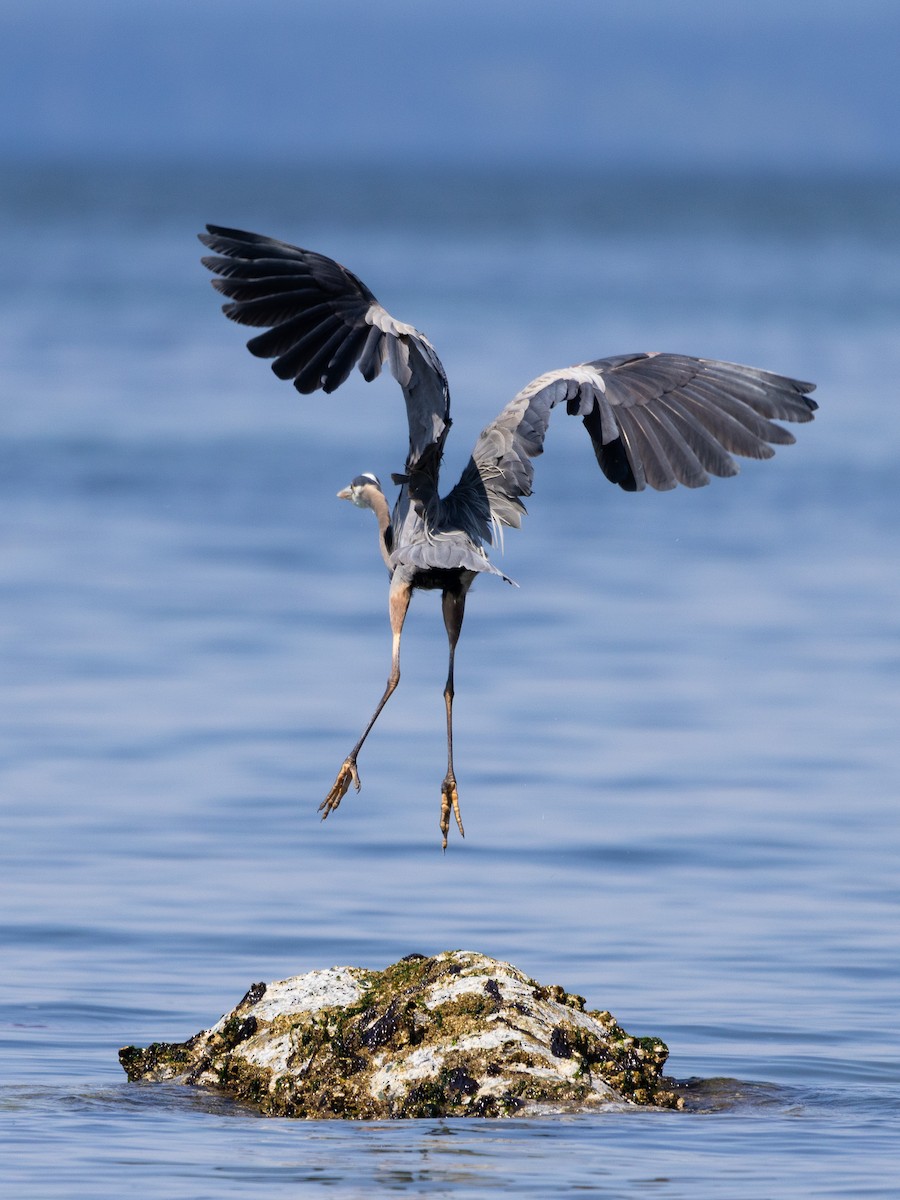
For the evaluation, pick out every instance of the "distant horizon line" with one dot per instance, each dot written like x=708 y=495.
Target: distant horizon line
x=406 y=165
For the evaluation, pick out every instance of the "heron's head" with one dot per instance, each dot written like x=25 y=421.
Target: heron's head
x=362 y=490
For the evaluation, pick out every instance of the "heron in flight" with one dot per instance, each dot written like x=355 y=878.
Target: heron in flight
x=653 y=419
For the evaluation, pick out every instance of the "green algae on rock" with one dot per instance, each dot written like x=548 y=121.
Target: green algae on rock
x=456 y=1035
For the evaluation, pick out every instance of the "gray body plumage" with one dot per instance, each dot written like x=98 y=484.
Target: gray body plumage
x=654 y=420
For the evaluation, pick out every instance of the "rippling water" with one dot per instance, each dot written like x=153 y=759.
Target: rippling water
x=677 y=741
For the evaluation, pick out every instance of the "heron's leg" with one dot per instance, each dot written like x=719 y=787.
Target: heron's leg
x=453 y=607
x=398 y=604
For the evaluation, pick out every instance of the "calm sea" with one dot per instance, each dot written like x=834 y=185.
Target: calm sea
x=678 y=742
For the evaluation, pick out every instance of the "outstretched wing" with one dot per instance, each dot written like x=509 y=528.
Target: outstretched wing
x=322 y=321
x=657 y=419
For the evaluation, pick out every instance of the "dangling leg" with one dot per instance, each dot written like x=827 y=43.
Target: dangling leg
x=453 y=608
x=398 y=604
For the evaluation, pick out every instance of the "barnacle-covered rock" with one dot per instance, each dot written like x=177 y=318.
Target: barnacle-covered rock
x=459 y=1034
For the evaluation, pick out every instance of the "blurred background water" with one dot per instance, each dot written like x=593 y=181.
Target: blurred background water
x=676 y=741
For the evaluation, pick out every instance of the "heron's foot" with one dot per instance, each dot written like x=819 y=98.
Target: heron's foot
x=449 y=802
x=346 y=775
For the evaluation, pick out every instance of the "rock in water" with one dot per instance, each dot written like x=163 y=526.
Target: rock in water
x=456 y=1035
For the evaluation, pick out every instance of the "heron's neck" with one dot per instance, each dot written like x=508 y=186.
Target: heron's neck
x=383 y=516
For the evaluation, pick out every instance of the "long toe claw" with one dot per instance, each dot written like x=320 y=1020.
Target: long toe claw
x=346 y=775
x=449 y=802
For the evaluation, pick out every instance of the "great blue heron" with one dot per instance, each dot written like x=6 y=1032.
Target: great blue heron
x=657 y=419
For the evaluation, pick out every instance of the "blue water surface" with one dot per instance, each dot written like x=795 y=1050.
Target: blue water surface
x=677 y=741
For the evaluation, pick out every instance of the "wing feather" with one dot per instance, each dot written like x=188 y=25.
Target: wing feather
x=321 y=321
x=709 y=452
x=654 y=420
x=708 y=395
x=647 y=446
x=282 y=338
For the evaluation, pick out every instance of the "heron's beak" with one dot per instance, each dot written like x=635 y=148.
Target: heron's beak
x=344 y=494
